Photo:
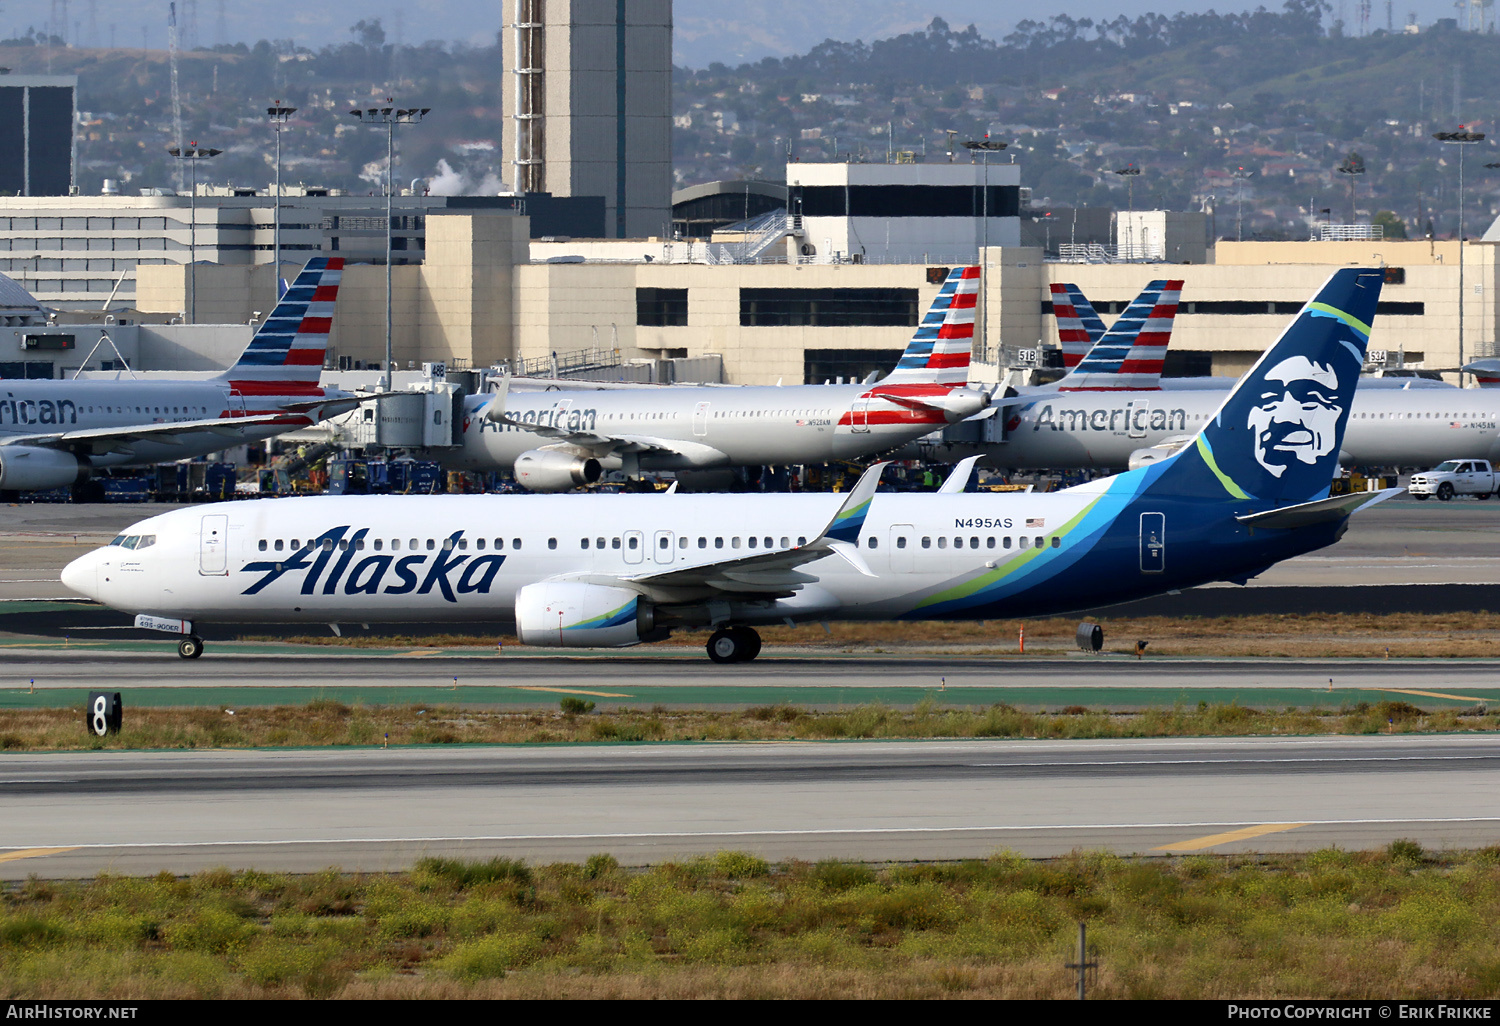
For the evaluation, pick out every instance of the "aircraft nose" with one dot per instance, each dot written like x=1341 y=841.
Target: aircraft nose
x=82 y=575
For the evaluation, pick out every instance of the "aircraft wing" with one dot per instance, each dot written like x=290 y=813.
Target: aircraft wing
x=350 y=399
x=118 y=439
x=1305 y=514
x=774 y=571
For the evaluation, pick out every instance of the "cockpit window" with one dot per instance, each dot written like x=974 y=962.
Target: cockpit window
x=131 y=541
x=147 y=540
x=118 y=539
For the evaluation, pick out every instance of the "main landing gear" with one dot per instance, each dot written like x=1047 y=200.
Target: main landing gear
x=734 y=645
x=190 y=647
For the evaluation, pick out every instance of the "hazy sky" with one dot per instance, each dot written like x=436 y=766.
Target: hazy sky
x=755 y=29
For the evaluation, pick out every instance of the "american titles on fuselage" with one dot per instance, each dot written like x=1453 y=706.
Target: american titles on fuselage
x=1136 y=416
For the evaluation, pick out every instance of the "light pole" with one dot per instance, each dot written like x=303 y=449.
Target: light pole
x=389 y=117
x=1240 y=175
x=1352 y=167
x=279 y=115
x=192 y=153
x=1130 y=173
x=1463 y=137
x=985 y=147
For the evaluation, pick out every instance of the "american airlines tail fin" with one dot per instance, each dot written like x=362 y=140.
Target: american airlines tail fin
x=1277 y=435
x=286 y=355
x=1129 y=356
x=938 y=354
x=1078 y=327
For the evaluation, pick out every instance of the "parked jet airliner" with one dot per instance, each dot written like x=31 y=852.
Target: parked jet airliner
x=557 y=441
x=609 y=570
x=54 y=433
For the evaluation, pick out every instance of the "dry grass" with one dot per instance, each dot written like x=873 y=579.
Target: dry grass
x=1398 y=635
x=324 y=722
x=1332 y=924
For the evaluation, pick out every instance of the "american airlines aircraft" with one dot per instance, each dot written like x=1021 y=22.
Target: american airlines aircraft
x=1251 y=489
x=558 y=441
x=54 y=433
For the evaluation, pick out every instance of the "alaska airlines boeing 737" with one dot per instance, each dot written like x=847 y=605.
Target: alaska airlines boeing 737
x=1250 y=490
x=54 y=433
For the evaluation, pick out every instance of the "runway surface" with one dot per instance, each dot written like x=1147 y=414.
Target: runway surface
x=159 y=677
x=80 y=814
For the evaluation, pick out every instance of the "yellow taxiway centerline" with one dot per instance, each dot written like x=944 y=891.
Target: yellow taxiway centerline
x=31 y=853
x=573 y=691
x=1434 y=694
x=1244 y=834
x=417 y=653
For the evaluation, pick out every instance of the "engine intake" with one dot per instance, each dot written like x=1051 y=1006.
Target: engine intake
x=26 y=468
x=568 y=614
x=547 y=470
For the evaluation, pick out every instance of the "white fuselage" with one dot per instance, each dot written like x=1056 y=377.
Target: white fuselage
x=704 y=426
x=1387 y=427
x=463 y=558
x=46 y=407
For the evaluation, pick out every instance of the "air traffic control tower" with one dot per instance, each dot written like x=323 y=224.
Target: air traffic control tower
x=588 y=106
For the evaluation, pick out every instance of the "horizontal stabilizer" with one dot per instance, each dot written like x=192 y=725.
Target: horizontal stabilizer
x=1319 y=511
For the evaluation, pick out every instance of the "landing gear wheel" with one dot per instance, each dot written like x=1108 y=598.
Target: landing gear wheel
x=725 y=646
x=190 y=647
x=751 y=641
x=1445 y=491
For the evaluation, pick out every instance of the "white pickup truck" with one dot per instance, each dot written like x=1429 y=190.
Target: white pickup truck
x=1455 y=477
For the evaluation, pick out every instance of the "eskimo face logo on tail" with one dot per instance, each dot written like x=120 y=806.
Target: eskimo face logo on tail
x=351 y=570
x=1297 y=418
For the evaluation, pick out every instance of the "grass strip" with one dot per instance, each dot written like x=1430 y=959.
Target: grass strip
x=1399 y=922
x=326 y=722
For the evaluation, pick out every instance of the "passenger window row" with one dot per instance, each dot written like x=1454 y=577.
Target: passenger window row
x=1040 y=541
x=684 y=542
x=379 y=544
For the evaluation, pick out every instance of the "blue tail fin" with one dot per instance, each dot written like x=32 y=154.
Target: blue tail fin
x=1276 y=437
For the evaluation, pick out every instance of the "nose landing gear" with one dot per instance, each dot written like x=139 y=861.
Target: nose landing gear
x=733 y=645
x=190 y=647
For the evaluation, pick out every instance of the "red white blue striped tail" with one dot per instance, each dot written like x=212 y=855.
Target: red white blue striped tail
x=1129 y=357
x=1078 y=327
x=286 y=355
x=938 y=354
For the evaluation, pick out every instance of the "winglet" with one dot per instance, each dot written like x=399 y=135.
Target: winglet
x=959 y=479
x=495 y=408
x=850 y=519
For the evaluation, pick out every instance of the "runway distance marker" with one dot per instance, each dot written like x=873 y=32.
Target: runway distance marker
x=31 y=853
x=573 y=691
x=1213 y=840
x=1434 y=694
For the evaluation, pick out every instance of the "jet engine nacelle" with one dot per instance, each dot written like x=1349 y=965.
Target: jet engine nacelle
x=962 y=403
x=28 y=468
x=547 y=470
x=1158 y=452
x=569 y=614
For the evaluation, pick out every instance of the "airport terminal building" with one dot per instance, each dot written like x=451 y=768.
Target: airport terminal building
x=827 y=288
